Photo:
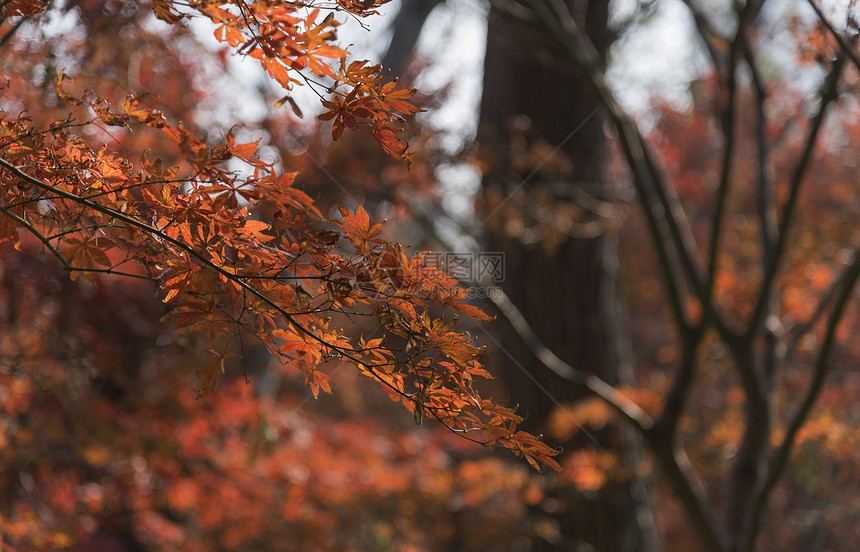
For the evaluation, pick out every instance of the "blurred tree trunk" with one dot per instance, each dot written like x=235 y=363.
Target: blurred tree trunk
x=548 y=209
x=405 y=31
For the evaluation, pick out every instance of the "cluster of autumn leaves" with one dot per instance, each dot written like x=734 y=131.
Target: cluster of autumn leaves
x=123 y=455
x=226 y=272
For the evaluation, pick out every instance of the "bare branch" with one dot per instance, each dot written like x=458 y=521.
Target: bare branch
x=708 y=35
x=681 y=475
x=38 y=235
x=745 y=470
x=765 y=197
x=627 y=408
x=824 y=302
x=827 y=96
x=676 y=398
x=822 y=368
x=846 y=48
x=662 y=208
x=748 y=463
x=729 y=119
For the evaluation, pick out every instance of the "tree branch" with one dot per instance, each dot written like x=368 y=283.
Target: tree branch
x=797 y=332
x=131 y=221
x=660 y=204
x=331 y=348
x=38 y=235
x=707 y=34
x=822 y=367
x=846 y=48
x=729 y=119
x=691 y=492
x=631 y=412
x=63 y=261
x=828 y=95
x=765 y=197
x=746 y=468
x=676 y=398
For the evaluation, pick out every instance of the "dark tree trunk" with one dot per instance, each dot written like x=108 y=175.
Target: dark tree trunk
x=406 y=28
x=543 y=136
x=565 y=281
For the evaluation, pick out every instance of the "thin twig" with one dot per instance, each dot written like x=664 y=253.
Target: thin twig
x=707 y=34
x=846 y=48
x=824 y=303
x=637 y=417
x=38 y=235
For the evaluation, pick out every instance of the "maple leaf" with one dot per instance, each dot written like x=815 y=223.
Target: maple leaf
x=358 y=223
x=187 y=219
x=180 y=278
x=229 y=34
x=210 y=372
x=292 y=341
x=389 y=141
x=341 y=111
x=318 y=380
x=61 y=92
x=164 y=11
x=471 y=311
x=149 y=117
x=253 y=230
x=396 y=98
x=357 y=227
x=85 y=254
x=203 y=317
x=362 y=8
x=293 y=105
x=242 y=151
x=24 y=7
x=102 y=108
